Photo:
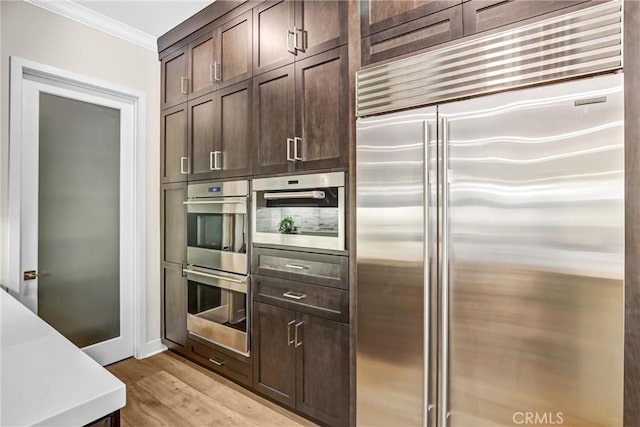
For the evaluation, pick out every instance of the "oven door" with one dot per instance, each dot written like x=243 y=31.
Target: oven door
x=217 y=234
x=217 y=308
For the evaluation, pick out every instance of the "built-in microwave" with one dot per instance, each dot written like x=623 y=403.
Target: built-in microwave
x=301 y=211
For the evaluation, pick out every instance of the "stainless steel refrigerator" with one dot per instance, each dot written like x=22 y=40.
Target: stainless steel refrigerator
x=490 y=260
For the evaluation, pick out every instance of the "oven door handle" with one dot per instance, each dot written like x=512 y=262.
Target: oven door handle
x=295 y=195
x=212 y=276
x=211 y=202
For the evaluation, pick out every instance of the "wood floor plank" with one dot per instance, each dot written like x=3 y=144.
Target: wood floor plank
x=195 y=407
x=143 y=410
x=131 y=370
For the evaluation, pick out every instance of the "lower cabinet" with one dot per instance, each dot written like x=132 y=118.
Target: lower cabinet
x=222 y=361
x=174 y=307
x=302 y=361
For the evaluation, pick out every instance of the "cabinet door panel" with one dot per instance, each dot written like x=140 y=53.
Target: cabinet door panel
x=174 y=79
x=380 y=15
x=274 y=353
x=234 y=129
x=174 y=144
x=322 y=369
x=271 y=21
x=421 y=33
x=174 y=306
x=482 y=15
x=321 y=110
x=174 y=223
x=234 y=46
x=202 y=143
x=273 y=111
x=320 y=26
x=200 y=60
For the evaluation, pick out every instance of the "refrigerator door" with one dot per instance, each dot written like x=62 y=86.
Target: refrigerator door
x=536 y=258
x=393 y=240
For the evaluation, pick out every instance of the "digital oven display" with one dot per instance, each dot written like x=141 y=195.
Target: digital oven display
x=214 y=189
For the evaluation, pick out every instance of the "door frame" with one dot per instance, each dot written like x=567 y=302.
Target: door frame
x=21 y=70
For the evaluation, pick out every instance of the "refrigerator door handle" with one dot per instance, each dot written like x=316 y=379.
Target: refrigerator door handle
x=444 y=321
x=428 y=181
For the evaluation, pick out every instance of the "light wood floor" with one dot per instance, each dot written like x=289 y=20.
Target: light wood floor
x=168 y=390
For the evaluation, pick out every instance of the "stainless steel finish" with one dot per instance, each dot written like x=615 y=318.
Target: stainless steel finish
x=216 y=72
x=289 y=144
x=295 y=148
x=536 y=255
x=212 y=72
x=585 y=42
x=443 y=407
x=289 y=48
x=294 y=295
x=430 y=192
x=32 y=275
x=303 y=37
x=390 y=199
x=216 y=160
x=295 y=195
x=216 y=362
x=211 y=162
x=216 y=259
x=184 y=170
x=297 y=267
x=289 y=340
x=218 y=334
x=182 y=82
x=298 y=343
x=222 y=201
x=232 y=282
x=299 y=182
x=227 y=189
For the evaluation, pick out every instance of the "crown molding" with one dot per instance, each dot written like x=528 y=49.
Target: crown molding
x=98 y=21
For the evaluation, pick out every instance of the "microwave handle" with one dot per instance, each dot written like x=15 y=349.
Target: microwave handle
x=213 y=276
x=211 y=202
x=295 y=195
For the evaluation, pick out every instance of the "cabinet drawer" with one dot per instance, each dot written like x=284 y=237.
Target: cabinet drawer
x=318 y=269
x=220 y=362
x=320 y=301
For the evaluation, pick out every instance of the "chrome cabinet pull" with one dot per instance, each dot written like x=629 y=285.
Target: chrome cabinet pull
x=304 y=40
x=212 y=72
x=298 y=343
x=294 y=295
x=289 y=340
x=295 y=148
x=183 y=80
x=216 y=361
x=212 y=276
x=289 y=142
x=289 y=48
x=216 y=72
x=214 y=160
x=211 y=161
x=297 y=266
x=183 y=170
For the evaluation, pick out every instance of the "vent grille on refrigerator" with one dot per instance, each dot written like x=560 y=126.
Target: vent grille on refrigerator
x=576 y=44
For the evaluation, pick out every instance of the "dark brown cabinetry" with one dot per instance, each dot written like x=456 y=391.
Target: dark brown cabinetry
x=200 y=59
x=225 y=362
x=174 y=306
x=202 y=149
x=482 y=15
x=380 y=15
x=300 y=115
x=174 y=78
x=287 y=31
x=174 y=223
x=173 y=144
x=302 y=361
x=233 y=51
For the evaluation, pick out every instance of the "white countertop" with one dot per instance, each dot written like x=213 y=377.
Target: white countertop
x=45 y=379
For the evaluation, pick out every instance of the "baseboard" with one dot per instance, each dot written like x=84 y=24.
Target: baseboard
x=152 y=348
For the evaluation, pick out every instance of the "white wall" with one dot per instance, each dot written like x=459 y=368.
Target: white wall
x=35 y=34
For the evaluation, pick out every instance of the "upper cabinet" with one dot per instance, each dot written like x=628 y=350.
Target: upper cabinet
x=199 y=79
x=286 y=31
x=233 y=58
x=380 y=15
x=173 y=78
x=300 y=115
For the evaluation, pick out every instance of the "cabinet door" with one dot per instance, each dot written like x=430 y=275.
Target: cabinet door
x=174 y=306
x=427 y=31
x=321 y=110
x=202 y=144
x=233 y=130
x=273 y=121
x=201 y=66
x=273 y=24
x=274 y=366
x=322 y=369
x=482 y=15
x=174 y=78
x=233 y=62
x=173 y=144
x=174 y=223
x=380 y=15
x=320 y=26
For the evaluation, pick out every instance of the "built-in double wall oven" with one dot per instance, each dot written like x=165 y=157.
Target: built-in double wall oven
x=217 y=263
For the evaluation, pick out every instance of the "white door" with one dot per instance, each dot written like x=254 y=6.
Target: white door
x=76 y=212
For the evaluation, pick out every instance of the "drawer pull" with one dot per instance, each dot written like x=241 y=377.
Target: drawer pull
x=294 y=295
x=297 y=267
x=216 y=361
